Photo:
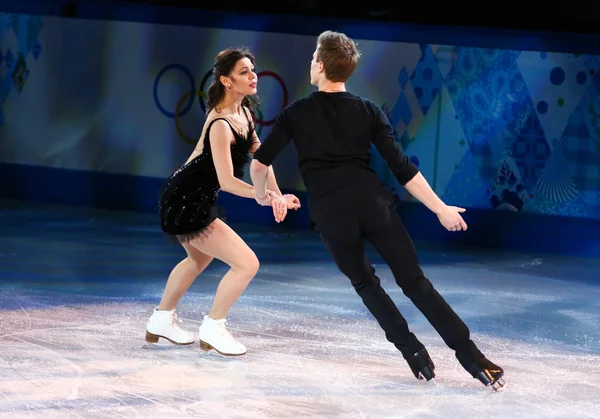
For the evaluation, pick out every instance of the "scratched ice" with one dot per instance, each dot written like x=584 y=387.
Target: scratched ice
x=75 y=297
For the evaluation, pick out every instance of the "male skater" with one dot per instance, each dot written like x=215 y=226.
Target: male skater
x=332 y=130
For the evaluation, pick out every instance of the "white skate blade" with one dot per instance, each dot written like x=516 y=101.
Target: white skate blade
x=500 y=385
x=164 y=346
x=214 y=356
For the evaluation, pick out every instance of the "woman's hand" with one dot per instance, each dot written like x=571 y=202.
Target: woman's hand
x=279 y=204
x=280 y=207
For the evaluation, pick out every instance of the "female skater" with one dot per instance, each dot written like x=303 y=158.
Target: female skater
x=189 y=213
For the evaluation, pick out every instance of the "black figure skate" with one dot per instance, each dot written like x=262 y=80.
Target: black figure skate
x=490 y=374
x=421 y=365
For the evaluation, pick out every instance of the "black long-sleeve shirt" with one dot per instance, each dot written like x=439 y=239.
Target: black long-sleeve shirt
x=333 y=133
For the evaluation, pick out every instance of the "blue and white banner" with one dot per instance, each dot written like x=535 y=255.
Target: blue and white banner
x=489 y=128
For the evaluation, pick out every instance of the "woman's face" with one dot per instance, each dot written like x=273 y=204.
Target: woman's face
x=242 y=80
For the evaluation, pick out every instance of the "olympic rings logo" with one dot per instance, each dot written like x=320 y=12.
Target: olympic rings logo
x=186 y=101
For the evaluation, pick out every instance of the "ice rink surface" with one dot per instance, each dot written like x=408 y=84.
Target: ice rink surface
x=77 y=287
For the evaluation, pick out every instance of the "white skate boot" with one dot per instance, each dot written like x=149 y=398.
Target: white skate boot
x=163 y=324
x=214 y=335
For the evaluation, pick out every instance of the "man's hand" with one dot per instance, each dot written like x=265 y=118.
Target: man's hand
x=292 y=201
x=451 y=219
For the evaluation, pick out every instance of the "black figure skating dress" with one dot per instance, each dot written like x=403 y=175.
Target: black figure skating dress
x=188 y=202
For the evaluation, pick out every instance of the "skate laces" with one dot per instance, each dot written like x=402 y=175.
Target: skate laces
x=223 y=332
x=175 y=320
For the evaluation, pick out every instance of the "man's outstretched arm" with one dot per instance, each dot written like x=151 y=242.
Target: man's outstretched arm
x=383 y=139
x=408 y=175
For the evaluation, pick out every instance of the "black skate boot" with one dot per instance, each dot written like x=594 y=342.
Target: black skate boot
x=421 y=365
x=488 y=373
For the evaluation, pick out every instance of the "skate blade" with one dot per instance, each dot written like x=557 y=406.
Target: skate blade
x=165 y=347
x=423 y=378
x=427 y=374
x=215 y=358
x=499 y=385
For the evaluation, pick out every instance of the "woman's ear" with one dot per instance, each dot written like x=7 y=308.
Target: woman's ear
x=225 y=81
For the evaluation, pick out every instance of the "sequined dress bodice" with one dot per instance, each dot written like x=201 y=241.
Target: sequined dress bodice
x=188 y=201
x=203 y=165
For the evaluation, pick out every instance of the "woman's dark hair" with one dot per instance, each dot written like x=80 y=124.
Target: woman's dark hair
x=224 y=64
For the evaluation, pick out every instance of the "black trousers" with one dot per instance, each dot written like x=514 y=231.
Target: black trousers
x=346 y=218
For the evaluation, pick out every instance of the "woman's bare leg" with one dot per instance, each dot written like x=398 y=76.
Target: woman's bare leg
x=221 y=242
x=164 y=323
x=182 y=276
